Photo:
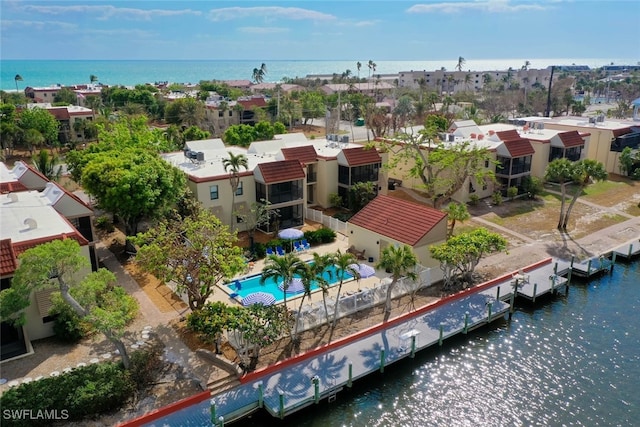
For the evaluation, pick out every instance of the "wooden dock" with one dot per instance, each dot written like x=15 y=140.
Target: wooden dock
x=627 y=251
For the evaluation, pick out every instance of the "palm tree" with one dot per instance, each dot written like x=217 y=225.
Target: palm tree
x=48 y=165
x=283 y=268
x=93 y=78
x=17 y=78
x=344 y=264
x=456 y=212
x=562 y=172
x=259 y=73
x=585 y=171
x=461 y=62
x=526 y=65
x=314 y=273
x=400 y=261
x=358 y=66
x=233 y=164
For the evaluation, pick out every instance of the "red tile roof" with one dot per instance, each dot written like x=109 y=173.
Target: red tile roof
x=519 y=147
x=508 y=135
x=621 y=131
x=305 y=154
x=253 y=102
x=398 y=219
x=8 y=261
x=60 y=113
x=281 y=171
x=359 y=156
x=571 y=139
x=9 y=252
x=10 y=187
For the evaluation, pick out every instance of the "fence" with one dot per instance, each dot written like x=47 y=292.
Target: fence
x=312 y=315
x=330 y=222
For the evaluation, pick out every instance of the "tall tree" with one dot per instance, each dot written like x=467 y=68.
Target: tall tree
x=283 y=269
x=93 y=78
x=17 y=78
x=42 y=121
x=442 y=168
x=196 y=254
x=59 y=264
x=259 y=73
x=401 y=261
x=585 y=172
x=560 y=171
x=233 y=165
x=456 y=212
x=460 y=64
x=132 y=183
x=460 y=254
x=344 y=264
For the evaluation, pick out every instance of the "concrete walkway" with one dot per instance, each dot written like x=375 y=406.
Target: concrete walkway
x=175 y=349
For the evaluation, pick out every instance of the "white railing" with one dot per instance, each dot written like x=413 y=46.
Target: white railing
x=330 y=222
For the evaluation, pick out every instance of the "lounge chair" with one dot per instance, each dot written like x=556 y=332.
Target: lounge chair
x=270 y=251
x=298 y=247
x=305 y=244
x=279 y=250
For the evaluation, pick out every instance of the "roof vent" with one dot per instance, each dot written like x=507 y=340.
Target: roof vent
x=13 y=197
x=30 y=223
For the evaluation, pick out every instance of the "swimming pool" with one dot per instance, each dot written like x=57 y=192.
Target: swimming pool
x=252 y=284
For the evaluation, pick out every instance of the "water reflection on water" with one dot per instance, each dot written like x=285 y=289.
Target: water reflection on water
x=573 y=361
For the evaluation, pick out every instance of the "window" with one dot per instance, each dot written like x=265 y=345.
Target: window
x=213 y=192
x=220 y=113
x=239 y=190
x=486 y=163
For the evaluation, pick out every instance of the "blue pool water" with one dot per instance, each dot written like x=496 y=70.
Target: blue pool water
x=252 y=284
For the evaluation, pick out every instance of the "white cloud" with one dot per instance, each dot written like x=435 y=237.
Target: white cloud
x=493 y=6
x=366 y=23
x=263 y=30
x=107 y=12
x=38 y=25
x=231 y=13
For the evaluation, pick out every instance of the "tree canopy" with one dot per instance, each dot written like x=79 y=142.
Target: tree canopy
x=196 y=254
x=441 y=167
x=94 y=297
x=401 y=261
x=460 y=254
x=42 y=121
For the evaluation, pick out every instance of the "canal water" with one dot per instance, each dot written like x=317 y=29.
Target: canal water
x=572 y=361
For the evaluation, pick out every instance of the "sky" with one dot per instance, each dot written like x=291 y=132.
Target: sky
x=324 y=30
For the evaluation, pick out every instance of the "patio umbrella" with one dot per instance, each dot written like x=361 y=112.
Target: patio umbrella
x=291 y=234
x=263 y=298
x=296 y=286
x=365 y=270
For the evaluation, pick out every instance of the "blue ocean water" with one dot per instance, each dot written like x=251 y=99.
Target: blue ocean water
x=39 y=73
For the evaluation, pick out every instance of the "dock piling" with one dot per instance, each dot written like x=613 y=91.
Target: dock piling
x=630 y=250
x=489 y=308
x=381 y=361
x=212 y=410
x=316 y=389
x=413 y=347
x=498 y=294
x=466 y=322
x=535 y=291
x=350 y=380
x=260 y=395
x=221 y=421
x=441 y=333
x=589 y=268
x=281 y=404
x=573 y=257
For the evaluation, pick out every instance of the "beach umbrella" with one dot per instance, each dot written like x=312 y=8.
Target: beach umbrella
x=296 y=286
x=365 y=270
x=263 y=298
x=291 y=234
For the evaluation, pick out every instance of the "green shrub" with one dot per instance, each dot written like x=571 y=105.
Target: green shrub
x=312 y=237
x=474 y=199
x=497 y=198
x=512 y=192
x=145 y=367
x=83 y=392
x=67 y=326
x=104 y=223
x=335 y=200
x=532 y=186
x=259 y=250
x=326 y=235
x=343 y=216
